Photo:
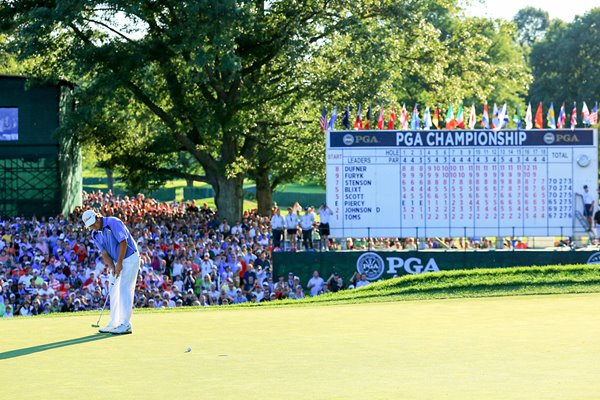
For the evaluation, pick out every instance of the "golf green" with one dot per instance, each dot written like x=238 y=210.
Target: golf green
x=531 y=347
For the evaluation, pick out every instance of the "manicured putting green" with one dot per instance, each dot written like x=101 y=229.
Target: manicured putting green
x=536 y=347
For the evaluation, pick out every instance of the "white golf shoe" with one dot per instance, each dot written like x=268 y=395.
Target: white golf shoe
x=123 y=329
x=106 y=329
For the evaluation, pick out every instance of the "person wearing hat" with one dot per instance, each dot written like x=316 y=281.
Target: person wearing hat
x=119 y=251
x=290 y=281
x=239 y=297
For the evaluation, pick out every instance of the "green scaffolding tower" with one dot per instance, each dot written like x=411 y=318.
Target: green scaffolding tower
x=40 y=171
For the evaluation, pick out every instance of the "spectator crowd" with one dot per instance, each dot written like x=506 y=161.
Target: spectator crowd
x=189 y=257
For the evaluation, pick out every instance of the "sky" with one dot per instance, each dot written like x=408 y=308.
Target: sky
x=506 y=9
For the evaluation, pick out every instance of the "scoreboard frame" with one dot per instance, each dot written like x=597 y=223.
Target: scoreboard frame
x=444 y=183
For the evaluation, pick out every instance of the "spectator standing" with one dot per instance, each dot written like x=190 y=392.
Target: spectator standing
x=291 y=224
x=588 y=206
x=324 y=215
x=277 y=226
x=307 y=222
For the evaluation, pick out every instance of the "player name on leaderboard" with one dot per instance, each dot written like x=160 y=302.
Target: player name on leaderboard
x=458 y=183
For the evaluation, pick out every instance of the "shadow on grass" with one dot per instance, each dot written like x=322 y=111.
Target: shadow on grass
x=49 y=346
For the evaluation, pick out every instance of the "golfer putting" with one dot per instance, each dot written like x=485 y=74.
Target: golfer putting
x=120 y=254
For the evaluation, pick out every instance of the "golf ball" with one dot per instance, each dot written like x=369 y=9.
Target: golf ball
x=189 y=349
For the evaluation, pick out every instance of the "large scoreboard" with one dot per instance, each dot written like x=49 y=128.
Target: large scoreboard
x=458 y=183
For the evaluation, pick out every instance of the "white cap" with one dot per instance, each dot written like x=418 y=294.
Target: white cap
x=89 y=218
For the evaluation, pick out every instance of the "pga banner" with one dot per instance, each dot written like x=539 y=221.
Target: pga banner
x=459 y=183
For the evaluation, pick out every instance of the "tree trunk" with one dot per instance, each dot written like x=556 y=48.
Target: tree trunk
x=110 y=179
x=264 y=194
x=229 y=198
x=189 y=182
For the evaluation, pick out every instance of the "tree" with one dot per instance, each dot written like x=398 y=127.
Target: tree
x=422 y=56
x=194 y=72
x=213 y=90
x=532 y=24
x=565 y=63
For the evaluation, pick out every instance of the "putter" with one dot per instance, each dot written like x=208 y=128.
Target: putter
x=97 y=324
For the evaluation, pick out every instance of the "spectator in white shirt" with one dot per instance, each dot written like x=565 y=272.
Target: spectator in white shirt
x=588 y=206
x=363 y=281
x=237 y=229
x=307 y=221
x=291 y=225
x=206 y=265
x=324 y=214
x=277 y=225
x=315 y=284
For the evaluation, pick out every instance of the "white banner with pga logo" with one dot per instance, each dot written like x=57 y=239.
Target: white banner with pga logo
x=373 y=266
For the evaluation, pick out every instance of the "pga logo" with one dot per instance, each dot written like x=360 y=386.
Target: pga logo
x=411 y=265
x=594 y=258
x=348 y=139
x=373 y=266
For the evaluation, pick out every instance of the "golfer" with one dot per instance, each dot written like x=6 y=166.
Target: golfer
x=120 y=253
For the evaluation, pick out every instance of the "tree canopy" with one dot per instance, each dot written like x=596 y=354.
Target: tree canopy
x=218 y=90
x=565 y=62
x=532 y=24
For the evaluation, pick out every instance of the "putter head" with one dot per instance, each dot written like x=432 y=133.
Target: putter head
x=95 y=326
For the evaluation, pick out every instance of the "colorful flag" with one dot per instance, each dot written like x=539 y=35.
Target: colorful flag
x=403 y=117
x=502 y=118
x=528 y=118
x=560 y=121
x=472 y=117
x=346 y=119
x=517 y=118
x=585 y=114
x=594 y=115
x=323 y=119
x=380 y=119
x=367 y=123
x=494 y=116
x=539 y=120
x=392 y=119
x=460 y=117
x=485 y=118
x=427 y=120
x=550 y=117
x=574 y=116
x=358 y=125
x=436 y=118
x=450 y=121
x=333 y=118
x=414 y=122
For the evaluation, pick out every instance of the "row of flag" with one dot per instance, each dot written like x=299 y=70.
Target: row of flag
x=499 y=120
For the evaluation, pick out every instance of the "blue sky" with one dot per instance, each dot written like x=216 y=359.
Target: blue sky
x=506 y=9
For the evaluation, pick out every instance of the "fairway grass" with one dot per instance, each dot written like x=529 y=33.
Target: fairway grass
x=530 y=347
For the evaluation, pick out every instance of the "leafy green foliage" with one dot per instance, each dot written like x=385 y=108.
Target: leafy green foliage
x=217 y=90
x=531 y=25
x=565 y=63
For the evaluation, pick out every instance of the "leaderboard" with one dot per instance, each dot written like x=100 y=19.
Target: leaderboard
x=459 y=183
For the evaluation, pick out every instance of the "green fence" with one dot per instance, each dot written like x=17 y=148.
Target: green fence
x=305 y=199
x=384 y=265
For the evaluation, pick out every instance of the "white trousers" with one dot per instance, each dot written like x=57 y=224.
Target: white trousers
x=121 y=293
